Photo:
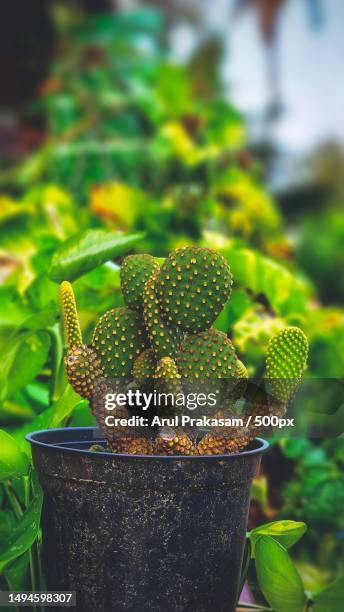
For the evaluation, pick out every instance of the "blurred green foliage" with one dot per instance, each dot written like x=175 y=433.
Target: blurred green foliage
x=321 y=255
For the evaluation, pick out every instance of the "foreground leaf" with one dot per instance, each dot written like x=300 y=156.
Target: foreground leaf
x=65 y=405
x=277 y=576
x=285 y=532
x=24 y=535
x=261 y=275
x=22 y=359
x=16 y=574
x=331 y=598
x=54 y=416
x=13 y=462
x=87 y=250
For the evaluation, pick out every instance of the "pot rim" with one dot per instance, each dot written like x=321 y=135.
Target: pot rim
x=33 y=438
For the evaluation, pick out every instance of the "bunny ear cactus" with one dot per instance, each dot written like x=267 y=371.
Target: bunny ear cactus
x=192 y=287
x=70 y=316
x=208 y=354
x=167 y=379
x=118 y=340
x=83 y=370
x=136 y=270
x=285 y=363
x=164 y=334
x=164 y=338
x=144 y=365
x=240 y=370
x=83 y=367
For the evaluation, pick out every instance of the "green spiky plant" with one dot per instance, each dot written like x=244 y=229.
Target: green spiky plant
x=164 y=333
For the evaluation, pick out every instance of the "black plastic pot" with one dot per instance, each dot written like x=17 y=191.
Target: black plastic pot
x=142 y=533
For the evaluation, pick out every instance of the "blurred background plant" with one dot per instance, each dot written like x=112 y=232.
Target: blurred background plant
x=110 y=131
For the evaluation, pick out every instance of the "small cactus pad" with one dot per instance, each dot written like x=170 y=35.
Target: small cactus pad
x=83 y=370
x=164 y=339
x=118 y=340
x=209 y=354
x=168 y=380
x=70 y=315
x=241 y=371
x=192 y=286
x=167 y=369
x=145 y=364
x=286 y=361
x=135 y=272
x=173 y=441
x=237 y=387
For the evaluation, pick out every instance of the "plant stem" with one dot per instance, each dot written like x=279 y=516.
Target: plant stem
x=57 y=354
x=31 y=555
x=41 y=582
x=14 y=502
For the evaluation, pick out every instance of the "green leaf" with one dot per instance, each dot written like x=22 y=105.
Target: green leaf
x=285 y=291
x=87 y=250
x=82 y=417
x=7 y=523
x=65 y=406
x=12 y=309
x=22 y=360
x=53 y=416
x=13 y=463
x=16 y=573
x=277 y=576
x=233 y=310
x=331 y=598
x=16 y=411
x=24 y=535
x=42 y=319
x=245 y=564
x=285 y=532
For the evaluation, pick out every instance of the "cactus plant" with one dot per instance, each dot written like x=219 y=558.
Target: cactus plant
x=118 y=339
x=144 y=365
x=285 y=362
x=208 y=354
x=135 y=272
x=163 y=339
x=70 y=315
x=83 y=370
x=174 y=441
x=192 y=286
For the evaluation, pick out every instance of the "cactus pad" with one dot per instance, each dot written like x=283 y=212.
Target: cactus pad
x=209 y=354
x=164 y=339
x=135 y=272
x=145 y=364
x=192 y=286
x=83 y=370
x=167 y=369
x=285 y=362
x=70 y=315
x=241 y=371
x=168 y=381
x=118 y=340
